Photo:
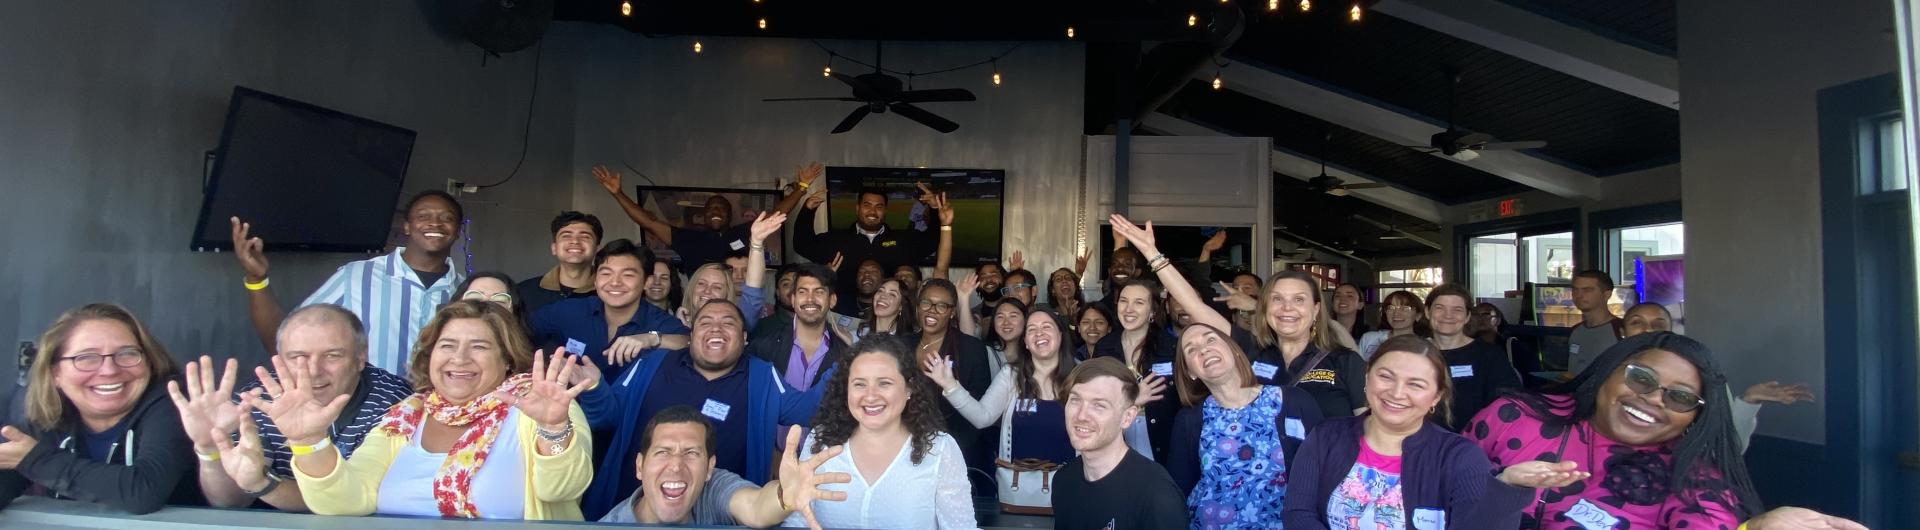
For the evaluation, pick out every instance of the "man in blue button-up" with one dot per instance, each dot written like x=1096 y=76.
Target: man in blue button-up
x=615 y=325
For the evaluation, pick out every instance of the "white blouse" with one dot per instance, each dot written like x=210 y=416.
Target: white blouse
x=933 y=494
x=1372 y=340
x=499 y=488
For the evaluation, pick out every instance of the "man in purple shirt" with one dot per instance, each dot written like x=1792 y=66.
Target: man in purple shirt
x=802 y=346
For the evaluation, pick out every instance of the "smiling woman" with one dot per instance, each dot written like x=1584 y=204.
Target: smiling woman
x=99 y=426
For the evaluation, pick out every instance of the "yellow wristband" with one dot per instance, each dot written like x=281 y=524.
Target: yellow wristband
x=209 y=457
x=1743 y=526
x=946 y=228
x=303 y=450
x=802 y=185
x=255 y=286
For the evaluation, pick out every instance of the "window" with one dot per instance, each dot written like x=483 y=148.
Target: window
x=1549 y=258
x=1640 y=242
x=1493 y=265
x=1420 y=281
x=1884 y=167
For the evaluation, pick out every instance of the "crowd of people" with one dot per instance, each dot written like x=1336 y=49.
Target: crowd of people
x=855 y=391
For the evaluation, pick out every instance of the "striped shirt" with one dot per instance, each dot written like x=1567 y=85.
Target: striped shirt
x=378 y=391
x=391 y=302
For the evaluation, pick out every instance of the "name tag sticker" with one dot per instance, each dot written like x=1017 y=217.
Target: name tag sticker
x=1573 y=348
x=716 y=410
x=576 y=347
x=1461 y=371
x=1163 y=369
x=736 y=245
x=1592 y=517
x=1429 y=519
x=1265 y=371
x=1295 y=429
x=1030 y=406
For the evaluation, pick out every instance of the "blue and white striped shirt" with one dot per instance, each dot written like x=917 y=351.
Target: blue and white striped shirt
x=377 y=392
x=391 y=302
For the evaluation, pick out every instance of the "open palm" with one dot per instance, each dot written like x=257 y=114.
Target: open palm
x=207 y=410
x=608 y=179
x=293 y=408
x=245 y=461
x=548 y=397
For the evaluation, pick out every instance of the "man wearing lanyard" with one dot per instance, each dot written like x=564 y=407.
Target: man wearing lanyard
x=801 y=347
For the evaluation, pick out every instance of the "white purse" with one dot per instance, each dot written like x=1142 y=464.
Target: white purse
x=1026 y=485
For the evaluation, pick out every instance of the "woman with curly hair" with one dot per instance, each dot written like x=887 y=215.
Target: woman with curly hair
x=1650 y=419
x=907 y=473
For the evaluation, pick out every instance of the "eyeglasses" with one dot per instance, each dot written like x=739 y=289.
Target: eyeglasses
x=498 y=298
x=937 y=307
x=1642 y=380
x=1010 y=288
x=88 y=362
x=1399 y=309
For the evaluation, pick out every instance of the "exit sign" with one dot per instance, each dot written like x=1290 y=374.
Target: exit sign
x=1508 y=208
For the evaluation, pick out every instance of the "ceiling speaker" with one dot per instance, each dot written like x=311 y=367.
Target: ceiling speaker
x=501 y=26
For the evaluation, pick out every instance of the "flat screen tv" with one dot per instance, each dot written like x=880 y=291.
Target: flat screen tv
x=976 y=195
x=306 y=177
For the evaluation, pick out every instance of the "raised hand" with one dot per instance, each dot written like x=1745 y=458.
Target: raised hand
x=1152 y=388
x=1080 y=263
x=926 y=194
x=940 y=370
x=967 y=287
x=1773 y=391
x=1540 y=475
x=245 y=461
x=815 y=200
x=608 y=179
x=1017 y=261
x=1235 y=299
x=1141 y=238
x=945 y=208
x=837 y=259
x=586 y=372
x=17 y=446
x=1214 y=244
x=808 y=173
x=626 y=349
x=800 y=480
x=766 y=226
x=301 y=418
x=548 y=398
x=207 y=410
x=247 y=249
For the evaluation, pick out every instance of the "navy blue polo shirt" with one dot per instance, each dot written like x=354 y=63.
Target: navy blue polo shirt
x=582 y=324
x=723 y=401
x=699 y=246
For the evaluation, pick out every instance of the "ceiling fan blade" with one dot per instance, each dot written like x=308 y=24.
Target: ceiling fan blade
x=1364 y=185
x=1531 y=144
x=934 y=95
x=908 y=111
x=1422 y=148
x=1473 y=139
x=811 y=99
x=852 y=119
x=860 y=88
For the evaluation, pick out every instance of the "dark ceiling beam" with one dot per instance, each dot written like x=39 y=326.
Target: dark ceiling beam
x=1409 y=236
x=1304 y=240
x=1541 y=40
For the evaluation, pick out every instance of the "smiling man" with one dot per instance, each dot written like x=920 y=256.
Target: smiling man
x=615 y=326
x=868 y=237
x=1110 y=486
x=681 y=485
x=394 y=294
x=575 y=237
x=743 y=397
x=715 y=236
x=800 y=347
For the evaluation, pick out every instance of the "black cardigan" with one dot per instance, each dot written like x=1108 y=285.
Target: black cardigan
x=1183 y=460
x=1438 y=470
x=773 y=342
x=162 y=455
x=1157 y=348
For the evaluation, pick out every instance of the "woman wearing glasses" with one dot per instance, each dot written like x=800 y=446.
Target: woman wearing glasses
x=493 y=287
x=940 y=341
x=100 y=427
x=1402 y=314
x=1650 y=420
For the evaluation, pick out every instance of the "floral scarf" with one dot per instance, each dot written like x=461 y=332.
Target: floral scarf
x=453 y=485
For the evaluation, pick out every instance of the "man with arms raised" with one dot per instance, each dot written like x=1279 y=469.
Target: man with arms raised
x=714 y=239
x=680 y=484
x=258 y=468
x=1110 y=487
x=868 y=238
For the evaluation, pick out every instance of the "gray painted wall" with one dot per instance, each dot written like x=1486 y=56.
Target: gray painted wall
x=691 y=119
x=105 y=109
x=1750 y=153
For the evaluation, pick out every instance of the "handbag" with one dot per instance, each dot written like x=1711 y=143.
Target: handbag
x=1026 y=484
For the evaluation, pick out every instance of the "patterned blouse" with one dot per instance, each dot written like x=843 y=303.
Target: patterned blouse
x=1243 y=469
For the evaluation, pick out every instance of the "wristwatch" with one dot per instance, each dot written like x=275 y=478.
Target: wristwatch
x=272 y=482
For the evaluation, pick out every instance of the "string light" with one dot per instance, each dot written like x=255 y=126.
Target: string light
x=1069 y=32
x=1216 y=79
x=696 y=45
x=1354 y=14
x=996 y=73
x=626 y=8
x=763 y=22
x=1193 y=20
x=1306 y=5
x=1273 y=5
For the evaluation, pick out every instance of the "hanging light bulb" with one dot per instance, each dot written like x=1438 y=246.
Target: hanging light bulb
x=996 y=73
x=827 y=72
x=1353 y=15
x=763 y=22
x=1306 y=5
x=696 y=45
x=1216 y=79
x=626 y=8
x=1193 y=20
x=1273 y=5
x=1069 y=32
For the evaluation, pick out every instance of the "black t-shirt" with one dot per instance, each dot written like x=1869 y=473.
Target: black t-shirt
x=428 y=278
x=699 y=246
x=1338 y=383
x=1138 y=494
x=1479 y=370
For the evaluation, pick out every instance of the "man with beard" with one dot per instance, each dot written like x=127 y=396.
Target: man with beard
x=575 y=237
x=802 y=347
x=742 y=396
x=867 y=238
x=866 y=281
x=394 y=294
x=990 y=277
x=1110 y=486
x=615 y=326
x=714 y=238
x=681 y=484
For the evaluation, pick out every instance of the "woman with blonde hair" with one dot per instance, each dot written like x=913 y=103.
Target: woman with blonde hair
x=481 y=438
x=100 y=427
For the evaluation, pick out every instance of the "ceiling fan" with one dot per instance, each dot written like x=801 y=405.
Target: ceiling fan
x=1332 y=185
x=878 y=92
x=1466 y=145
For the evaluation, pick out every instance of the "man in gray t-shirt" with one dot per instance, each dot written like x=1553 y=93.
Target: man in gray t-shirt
x=1598 y=328
x=679 y=483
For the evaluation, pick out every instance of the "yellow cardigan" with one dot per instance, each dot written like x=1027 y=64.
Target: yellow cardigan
x=555 y=482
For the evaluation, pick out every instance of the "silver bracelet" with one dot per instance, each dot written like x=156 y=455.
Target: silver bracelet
x=550 y=436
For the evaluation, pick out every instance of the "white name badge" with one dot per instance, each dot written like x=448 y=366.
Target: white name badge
x=576 y=347
x=716 y=410
x=1296 y=430
x=736 y=245
x=1429 y=519
x=1265 y=371
x=1573 y=347
x=1461 y=371
x=1163 y=369
x=1592 y=517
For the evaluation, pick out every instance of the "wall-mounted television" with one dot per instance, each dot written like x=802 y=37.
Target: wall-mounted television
x=306 y=177
x=976 y=195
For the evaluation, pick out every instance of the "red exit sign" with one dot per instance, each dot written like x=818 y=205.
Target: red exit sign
x=1508 y=207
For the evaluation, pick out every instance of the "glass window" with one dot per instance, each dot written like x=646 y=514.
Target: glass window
x=1640 y=242
x=1886 y=169
x=1493 y=265
x=1419 y=280
x=1549 y=258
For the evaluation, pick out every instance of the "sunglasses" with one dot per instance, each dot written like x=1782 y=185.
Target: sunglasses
x=1642 y=380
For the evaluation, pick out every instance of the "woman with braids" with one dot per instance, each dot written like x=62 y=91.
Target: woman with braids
x=1650 y=419
x=906 y=472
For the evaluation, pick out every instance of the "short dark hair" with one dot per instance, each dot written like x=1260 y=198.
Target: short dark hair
x=816 y=271
x=1606 y=281
x=1450 y=289
x=570 y=217
x=678 y=414
x=1104 y=367
x=994 y=264
x=1022 y=273
x=871 y=191
x=458 y=213
x=623 y=247
x=1249 y=274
